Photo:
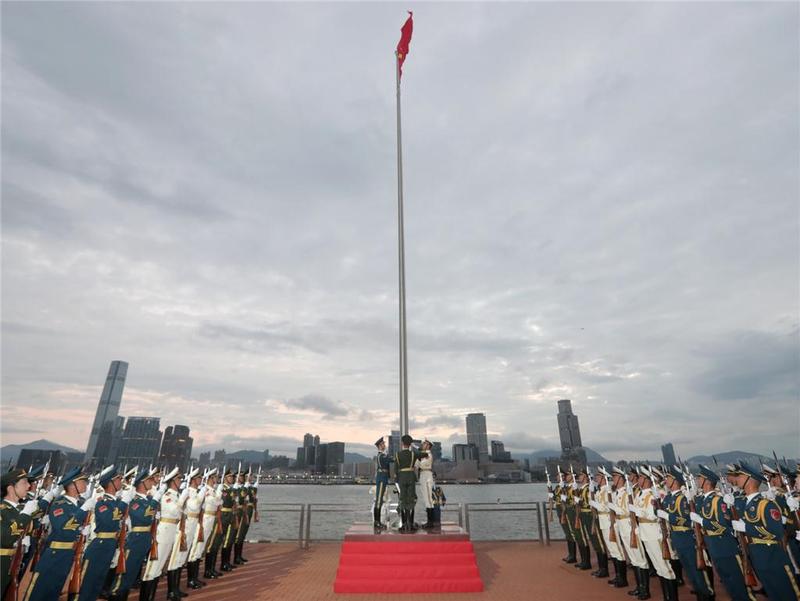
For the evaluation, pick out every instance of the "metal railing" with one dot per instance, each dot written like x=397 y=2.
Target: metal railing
x=537 y=507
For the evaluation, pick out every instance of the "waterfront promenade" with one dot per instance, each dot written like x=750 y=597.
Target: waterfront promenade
x=511 y=571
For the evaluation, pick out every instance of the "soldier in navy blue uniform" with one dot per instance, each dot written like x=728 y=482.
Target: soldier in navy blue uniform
x=713 y=513
x=788 y=505
x=676 y=511
x=108 y=512
x=142 y=512
x=382 y=464
x=67 y=514
x=763 y=526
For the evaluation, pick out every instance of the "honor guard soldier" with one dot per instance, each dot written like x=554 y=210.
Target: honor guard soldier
x=714 y=515
x=626 y=533
x=763 y=526
x=407 y=481
x=198 y=539
x=676 y=512
x=652 y=537
x=14 y=524
x=589 y=531
x=39 y=492
x=573 y=522
x=244 y=513
x=227 y=519
x=601 y=501
x=560 y=501
x=382 y=465
x=171 y=513
x=779 y=491
x=425 y=466
x=142 y=514
x=67 y=516
x=190 y=502
x=108 y=512
x=212 y=527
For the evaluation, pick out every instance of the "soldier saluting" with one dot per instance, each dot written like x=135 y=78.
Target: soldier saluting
x=407 y=481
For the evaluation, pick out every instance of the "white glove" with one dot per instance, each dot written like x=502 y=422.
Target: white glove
x=26 y=544
x=793 y=503
x=89 y=492
x=662 y=514
x=89 y=504
x=636 y=530
x=236 y=486
x=783 y=519
x=770 y=494
x=574 y=486
x=86 y=530
x=593 y=504
x=549 y=495
x=696 y=518
x=30 y=507
x=159 y=492
x=49 y=496
x=127 y=495
x=797 y=535
x=728 y=498
x=563 y=498
x=219 y=488
x=639 y=512
x=183 y=497
x=689 y=495
x=738 y=525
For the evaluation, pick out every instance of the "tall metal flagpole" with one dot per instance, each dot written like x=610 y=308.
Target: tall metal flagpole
x=401 y=267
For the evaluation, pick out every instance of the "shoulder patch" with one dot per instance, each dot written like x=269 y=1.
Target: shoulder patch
x=135 y=506
x=58 y=512
x=102 y=508
x=775 y=514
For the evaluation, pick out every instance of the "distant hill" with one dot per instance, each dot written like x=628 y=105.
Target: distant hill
x=355 y=458
x=10 y=452
x=245 y=457
x=753 y=459
x=592 y=456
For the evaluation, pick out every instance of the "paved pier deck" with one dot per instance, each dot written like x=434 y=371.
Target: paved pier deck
x=511 y=571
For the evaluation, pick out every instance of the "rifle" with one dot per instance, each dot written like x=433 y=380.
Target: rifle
x=122 y=538
x=784 y=544
x=255 y=496
x=563 y=519
x=40 y=530
x=700 y=547
x=575 y=488
x=75 y=582
x=665 y=552
x=634 y=542
x=550 y=500
x=612 y=515
x=13 y=584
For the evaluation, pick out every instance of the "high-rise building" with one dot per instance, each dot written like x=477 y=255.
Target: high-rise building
x=140 y=442
x=476 y=432
x=176 y=448
x=465 y=452
x=265 y=457
x=205 y=459
x=310 y=457
x=301 y=458
x=436 y=450
x=105 y=453
x=107 y=411
x=220 y=457
x=335 y=457
x=320 y=458
x=568 y=429
x=316 y=440
x=499 y=452
x=668 y=453
x=29 y=458
x=394 y=443
x=308 y=440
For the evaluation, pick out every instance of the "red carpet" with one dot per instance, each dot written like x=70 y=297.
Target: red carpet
x=415 y=566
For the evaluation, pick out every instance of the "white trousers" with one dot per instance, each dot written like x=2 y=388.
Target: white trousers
x=635 y=554
x=426 y=484
x=165 y=537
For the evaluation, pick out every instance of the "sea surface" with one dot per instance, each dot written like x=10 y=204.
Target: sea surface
x=508 y=514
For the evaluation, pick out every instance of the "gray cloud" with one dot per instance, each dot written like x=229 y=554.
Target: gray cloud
x=582 y=221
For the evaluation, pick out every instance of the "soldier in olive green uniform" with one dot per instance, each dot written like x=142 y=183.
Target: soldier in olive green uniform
x=243 y=499
x=13 y=522
x=407 y=481
x=228 y=519
x=572 y=521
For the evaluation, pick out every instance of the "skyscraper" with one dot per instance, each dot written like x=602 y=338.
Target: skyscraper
x=176 y=448
x=394 y=443
x=107 y=411
x=465 y=452
x=316 y=440
x=668 y=452
x=335 y=457
x=308 y=440
x=568 y=429
x=320 y=458
x=476 y=432
x=140 y=442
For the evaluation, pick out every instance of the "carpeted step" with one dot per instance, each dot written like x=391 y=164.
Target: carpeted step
x=407 y=547
x=460 y=585
x=421 y=559
x=424 y=572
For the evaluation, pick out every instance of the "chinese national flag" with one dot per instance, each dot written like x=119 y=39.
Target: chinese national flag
x=405 y=40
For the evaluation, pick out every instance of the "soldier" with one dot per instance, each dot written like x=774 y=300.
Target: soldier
x=589 y=530
x=212 y=527
x=439 y=501
x=228 y=519
x=108 y=512
x=190 y=507
x=407 y=481
x=426 y=482
x=573 y=522
x=67 y=515
x=13 y=522
x=676 y=512
x=651 y=536
x=626 y=534
x=141 y=513
x=600 y=503
x=762 y=524
x=167 y=531
x=245 y=514
x=714 y=514
x=778 y=493
x=198 y=539
x=37 y=493
x=560 y=501
x=382 y=464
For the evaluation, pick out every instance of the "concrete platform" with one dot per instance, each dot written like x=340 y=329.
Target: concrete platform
x=364 y=532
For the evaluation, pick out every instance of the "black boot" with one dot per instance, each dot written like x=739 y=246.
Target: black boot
x=622 y=573
x=406 y=521
x=411 y=523
x=570 y=558
x=637 y=573
x=428 y=524
x=105 y=592
x=241 y=552
x=197 y=573
x=677 y=567
x=672 y=586
x=585 y=563
x=209 y=572
x=645 y=575
x=172 y=592
x=214 y=569
x=178 y=583
x=226 y=560
x=664 y=591
x=237 y=554
x=602 y=566
x=192 y=572
x=145 y=586
x=615 y=579
x=119 y=596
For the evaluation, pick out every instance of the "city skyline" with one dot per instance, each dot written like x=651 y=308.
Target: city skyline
x=582 y=221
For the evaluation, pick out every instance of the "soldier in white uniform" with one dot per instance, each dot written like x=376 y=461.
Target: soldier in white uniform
x=650 y=535
x=208 y=514
x=191 y=500
x=624 y=530
x=602 y=498
x=426 y=482
x=171 y=513
x=212 y=527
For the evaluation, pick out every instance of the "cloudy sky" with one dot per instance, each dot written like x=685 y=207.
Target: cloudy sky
x=601 y=205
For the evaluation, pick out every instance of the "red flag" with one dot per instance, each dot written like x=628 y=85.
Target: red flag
x=405 y=40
